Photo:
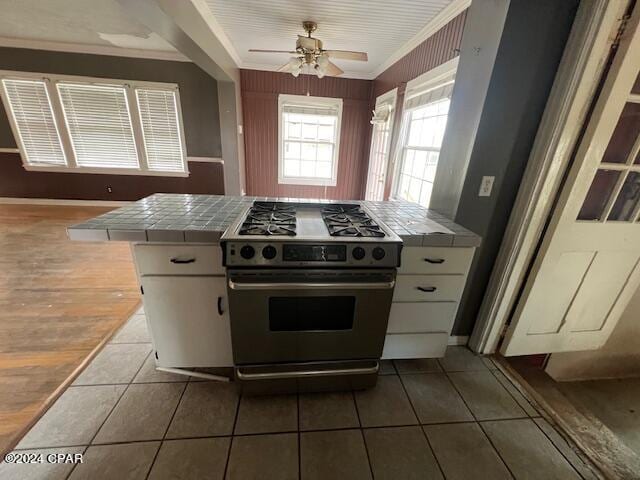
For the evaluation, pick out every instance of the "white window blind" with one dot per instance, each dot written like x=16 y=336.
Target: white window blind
x=161 y=129
x=99 y=125
x=33 y=117
x=309 y=141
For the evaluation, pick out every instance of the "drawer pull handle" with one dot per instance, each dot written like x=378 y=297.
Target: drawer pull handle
x=427 y=289
x=434 y=260
x=220 y=311
x=183 y=261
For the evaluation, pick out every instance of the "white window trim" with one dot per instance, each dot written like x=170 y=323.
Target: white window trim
x=389 y=98
x=51 y=80
x=432 y=79
x=306 y=100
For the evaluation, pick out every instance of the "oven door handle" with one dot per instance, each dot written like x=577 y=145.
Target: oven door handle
x=306 y=373
x=306 y=286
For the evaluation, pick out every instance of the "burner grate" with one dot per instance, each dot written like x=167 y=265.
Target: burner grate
x=350 y=221
x=269 y=218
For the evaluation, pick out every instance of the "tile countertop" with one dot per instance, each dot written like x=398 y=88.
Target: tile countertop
x=168 y=217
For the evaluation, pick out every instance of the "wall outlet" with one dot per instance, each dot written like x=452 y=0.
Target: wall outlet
x=486 y=186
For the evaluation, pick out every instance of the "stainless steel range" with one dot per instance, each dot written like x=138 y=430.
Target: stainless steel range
x=310 y=288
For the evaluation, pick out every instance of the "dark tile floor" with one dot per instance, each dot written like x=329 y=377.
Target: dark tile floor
x=454 y=418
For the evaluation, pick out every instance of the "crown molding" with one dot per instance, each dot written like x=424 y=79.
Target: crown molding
x=451 y=11
x=93 y=49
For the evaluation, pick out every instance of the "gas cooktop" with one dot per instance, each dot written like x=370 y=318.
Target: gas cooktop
x=281 y=234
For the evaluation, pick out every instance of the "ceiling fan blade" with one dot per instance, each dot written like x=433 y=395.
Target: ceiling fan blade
x=272 y=51
x=347 y=55
x=285 y=68
x=333 y=70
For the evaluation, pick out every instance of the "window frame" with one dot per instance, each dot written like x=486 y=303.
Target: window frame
x=308 y=101
x=428 y=81
x=389 y=99
x=130 y=86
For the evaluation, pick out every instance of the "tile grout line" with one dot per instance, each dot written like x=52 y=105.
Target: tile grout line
x=513 y=396
x=233 y=429
x=361 y=429
x=109 y=414
x=421 y=427
x=299 y=437
x=166 y=430
x=558 y=450
x=493 y=372
x=480 y=426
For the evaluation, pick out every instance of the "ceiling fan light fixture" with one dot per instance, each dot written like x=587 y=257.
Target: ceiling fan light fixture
x=320 y=71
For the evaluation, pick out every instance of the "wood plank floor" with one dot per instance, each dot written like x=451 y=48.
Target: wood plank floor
x=59 y=300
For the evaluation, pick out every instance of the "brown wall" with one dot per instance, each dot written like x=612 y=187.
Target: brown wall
x=15 y=181
x=439 y=48
x=199 y=101
x=260 y=111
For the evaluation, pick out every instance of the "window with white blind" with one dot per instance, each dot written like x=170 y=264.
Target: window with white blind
x=77 y=124
x=425 y=114
x=309 y=139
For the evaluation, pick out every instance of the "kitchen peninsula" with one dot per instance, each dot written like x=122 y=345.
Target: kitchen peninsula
x=176 y=248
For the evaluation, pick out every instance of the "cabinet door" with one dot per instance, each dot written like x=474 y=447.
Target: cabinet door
x=189 y=320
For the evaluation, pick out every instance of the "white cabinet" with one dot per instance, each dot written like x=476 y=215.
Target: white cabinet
x=189 y=320
x=178 y=259
x=435 y=260
x=428 y=289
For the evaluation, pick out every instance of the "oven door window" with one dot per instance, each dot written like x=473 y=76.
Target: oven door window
x=306 y=314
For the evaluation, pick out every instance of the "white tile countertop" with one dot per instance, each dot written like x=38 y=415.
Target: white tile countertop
x=168 y=217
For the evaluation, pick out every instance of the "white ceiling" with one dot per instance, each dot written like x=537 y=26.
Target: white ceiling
x=99 y=23
x=378 y=27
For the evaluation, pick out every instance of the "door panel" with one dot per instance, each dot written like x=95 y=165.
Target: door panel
x=601 y=286
x=587 y=267
x=550 y=300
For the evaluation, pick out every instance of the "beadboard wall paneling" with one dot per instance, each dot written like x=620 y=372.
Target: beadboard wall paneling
x=439 y=48
x=260 y=90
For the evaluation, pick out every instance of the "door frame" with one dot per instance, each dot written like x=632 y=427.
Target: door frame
x=584 y=61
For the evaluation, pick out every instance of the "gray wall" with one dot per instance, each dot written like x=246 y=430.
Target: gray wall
x=198 y=90
x=533 y=40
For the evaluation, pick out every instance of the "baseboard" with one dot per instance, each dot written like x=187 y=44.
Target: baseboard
x=53 y=201
x=458 y=340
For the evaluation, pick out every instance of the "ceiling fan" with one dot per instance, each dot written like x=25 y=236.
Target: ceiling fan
x=309 y=52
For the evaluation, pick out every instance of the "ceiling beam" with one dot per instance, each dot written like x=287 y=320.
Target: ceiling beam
x=182 y=25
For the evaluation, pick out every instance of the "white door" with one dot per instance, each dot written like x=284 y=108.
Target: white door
x=380 y=145
x=188 y=319
x=588 y=265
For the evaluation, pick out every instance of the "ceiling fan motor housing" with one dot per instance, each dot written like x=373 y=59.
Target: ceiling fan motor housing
x=309 y=45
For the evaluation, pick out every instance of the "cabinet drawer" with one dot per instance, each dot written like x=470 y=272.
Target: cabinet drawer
x=422 y=317
x=447 y=260
x=418 y=345
x=428 y=288
x=179 y=259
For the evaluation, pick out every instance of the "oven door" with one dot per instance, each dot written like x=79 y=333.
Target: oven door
x=282 y=316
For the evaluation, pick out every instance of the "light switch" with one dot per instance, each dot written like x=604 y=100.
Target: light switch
x=240 y=129
x=486 y=186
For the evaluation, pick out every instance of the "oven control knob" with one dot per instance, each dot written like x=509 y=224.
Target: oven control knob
x=269 y=252
x=378 y=253
x=358 y=253
x=247 y=252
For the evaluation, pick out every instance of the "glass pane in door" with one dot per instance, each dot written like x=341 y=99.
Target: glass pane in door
x=598 y=195
x=624 y=136
x=625 y=205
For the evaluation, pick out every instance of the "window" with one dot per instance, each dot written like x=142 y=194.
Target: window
x=426 y=110
x=309 y=131
x=382 y=122
x=76 y=124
